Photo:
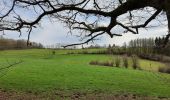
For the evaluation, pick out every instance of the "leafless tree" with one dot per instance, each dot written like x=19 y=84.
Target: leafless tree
x=87 y=16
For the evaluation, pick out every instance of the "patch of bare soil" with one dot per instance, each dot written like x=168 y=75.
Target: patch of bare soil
x=4 y=95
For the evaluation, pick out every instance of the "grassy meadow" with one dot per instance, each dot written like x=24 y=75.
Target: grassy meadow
x=41 y=72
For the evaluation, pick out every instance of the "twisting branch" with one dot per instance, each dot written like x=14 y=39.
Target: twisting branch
x=92 y=38
x=149 y=20
x=127 y=28
x=13 y=5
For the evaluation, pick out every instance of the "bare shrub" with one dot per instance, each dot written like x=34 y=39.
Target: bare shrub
x=70 y=52
x=166 y=59
x=135 y=62
x=94 y=63
x=125 y=61
x=117 y=61
x=85 y=52
x=106 y=63
x=165 y=69
x=100 y=52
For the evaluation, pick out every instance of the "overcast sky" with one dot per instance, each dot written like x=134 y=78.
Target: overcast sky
x=52 y=33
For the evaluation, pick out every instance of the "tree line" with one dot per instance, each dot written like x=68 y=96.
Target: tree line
x=6 y=44
x=147 y=46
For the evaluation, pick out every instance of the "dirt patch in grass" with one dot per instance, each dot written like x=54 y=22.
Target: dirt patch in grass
x=4 y=95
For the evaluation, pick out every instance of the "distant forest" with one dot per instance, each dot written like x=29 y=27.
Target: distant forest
x=151 y=48
x=140 y=47
x=147 y=46
x=6 y=44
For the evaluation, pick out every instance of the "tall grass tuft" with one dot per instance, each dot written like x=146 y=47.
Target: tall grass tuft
x=135 y=62
x=117 y=61
x=125 y=61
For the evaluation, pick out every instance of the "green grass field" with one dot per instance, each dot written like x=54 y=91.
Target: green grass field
x=72 y=73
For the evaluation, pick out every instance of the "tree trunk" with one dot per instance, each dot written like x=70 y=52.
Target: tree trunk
x=167 y=9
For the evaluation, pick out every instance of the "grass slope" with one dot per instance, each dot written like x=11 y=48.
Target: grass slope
x=71 y=73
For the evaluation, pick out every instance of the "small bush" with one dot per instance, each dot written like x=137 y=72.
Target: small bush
x=107 y=63
x=71 y=52
x=100 y=52
x=125 y=61
x=85 y=52
x=53 y=52
x=164 y=70
x=117 y=61
x=94 y=63
x=135 y=62
x=166 y=59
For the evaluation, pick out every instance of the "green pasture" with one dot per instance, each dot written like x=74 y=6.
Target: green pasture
x=43 y=72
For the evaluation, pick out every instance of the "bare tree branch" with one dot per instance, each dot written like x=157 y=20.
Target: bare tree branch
x=72 y=13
